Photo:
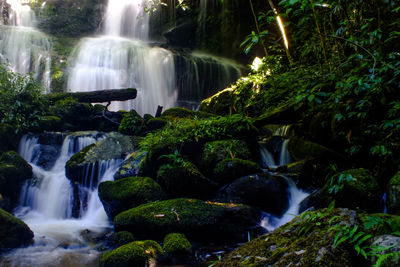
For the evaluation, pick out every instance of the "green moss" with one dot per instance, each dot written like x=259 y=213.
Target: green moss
x=48 y=123
x=176 y=243
x=23 y=167
x=305 y=241
x=136 y=253
x=300 y=149
x=67 y=108
x=185 y=113
x=230 y=169
x=79 y=157
x=220 y=103
x=13 y=232
x=183 y=179
x=120 y=238
x=127 y=193
x=131 y=124
x=195 y=218
x=216 y=151
x=154 y=124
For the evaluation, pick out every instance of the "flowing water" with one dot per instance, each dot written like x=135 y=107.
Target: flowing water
x=296 y=195
x=22 y=47
x=47 y=206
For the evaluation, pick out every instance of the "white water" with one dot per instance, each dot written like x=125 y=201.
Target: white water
x=24 y=48
x=296 y=195
x=120 y=58
x=47 y=207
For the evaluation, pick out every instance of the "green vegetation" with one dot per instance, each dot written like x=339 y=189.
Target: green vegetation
x=13 y=232
x=176 y=243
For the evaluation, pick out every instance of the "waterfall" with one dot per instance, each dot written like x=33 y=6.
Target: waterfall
x=296 y=195
x=22 y=47
x=47 y=205
x=120 y=58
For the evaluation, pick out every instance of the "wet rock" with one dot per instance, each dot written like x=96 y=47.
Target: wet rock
x=119 y=239
x=13 y=232
x=182 y=35
x=198 y=220
x=300 y=149
x=265 y=191
x=230 y=169
x=183 y=179
x=137 y=253
x=131 y=166
x=305 y=241
x=177 y=247
x=126 y=193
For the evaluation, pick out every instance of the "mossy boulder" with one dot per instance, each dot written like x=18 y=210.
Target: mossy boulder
x=131 y=166
x=393 y=194
x=13 y=232
x=355 y=188
x=221 y=103
x=265 y=191
x=132 y=123
x=300 y=149
x=119 y=239
x=305 y=241
x=230 y=169
x=14 y=171
x=388 y=244
x=67 y=109
x=154 y=124
x=286 y=113
x=137 y=253
x=126 y=193
x=49 y=123
x=184 y=113
x=216 y=151
x=188 y=136
x=198 y=220
x=183 y=179
x=115 y=146
x=177 y=247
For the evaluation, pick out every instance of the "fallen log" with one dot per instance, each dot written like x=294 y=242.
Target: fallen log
x=97 y=96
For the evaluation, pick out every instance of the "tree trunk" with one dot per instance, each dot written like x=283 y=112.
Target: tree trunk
x=97 y=96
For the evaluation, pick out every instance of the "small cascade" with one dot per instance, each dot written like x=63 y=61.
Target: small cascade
x=283 y=131
x=120 y=59
x=24 y=48
x=201 y=75
x=271 y=222
x=47 y=206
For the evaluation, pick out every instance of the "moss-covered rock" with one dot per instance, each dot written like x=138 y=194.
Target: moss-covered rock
x=305 y=241
x=199 y=220
x=154 y=124
x=136 y=253
x=183 y=179
x=300 y=149
x=185 y=113
x=115 y=146
x=265 y=191
x=127 y=193
x=393 y=194
x=230 y=169
x=388 y=244
x=131 y=166
x=177 y=247
x=221 y=103
x=14 y=171
x=355 y=188
x=49 y=123
x=67 y=109
x=217 y=151
x=13 y=232
x=119 y=239
x=132 y=123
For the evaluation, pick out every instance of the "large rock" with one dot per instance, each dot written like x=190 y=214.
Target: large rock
x=230 y=169
x=126 y=193
x=183 y=179
x=115 y=146
x=14 y=171
x=131 y=166
x=387 y=244
x=300 y=149
x=137 y=253
x=308 y=240
x=13 y=232
x=355 y=188
x=198 y=220
x=265 y=191
x=177 y=247
x=393 y=194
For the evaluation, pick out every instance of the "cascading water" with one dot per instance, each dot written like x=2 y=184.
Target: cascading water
x=295 y=194
x=24 y=48
x=120 y=59
x=47 y=206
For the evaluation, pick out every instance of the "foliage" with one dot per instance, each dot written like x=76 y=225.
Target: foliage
x=337 y=184
x=352 y=235
x=21 y=102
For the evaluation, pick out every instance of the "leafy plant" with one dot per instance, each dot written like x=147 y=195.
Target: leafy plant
x=338 y=183
x=352 y=235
